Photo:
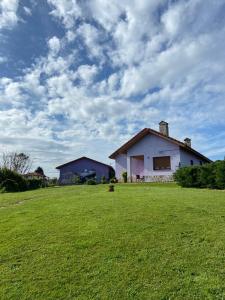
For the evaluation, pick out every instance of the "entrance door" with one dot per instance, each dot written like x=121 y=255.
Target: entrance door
x=137 y=168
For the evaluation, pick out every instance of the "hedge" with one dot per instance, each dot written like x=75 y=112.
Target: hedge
x=6 y=174
x=206 y=176
x=33 y=184
x=91 y=181
x=9 y=185
x=11 y=181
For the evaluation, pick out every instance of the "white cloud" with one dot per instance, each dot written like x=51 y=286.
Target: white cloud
x=66 y=10
x=8 y=13
x=70 y=35
x=173 y=17
x=27 y=11
x=87 y=73
x=54 y=45
x=92 y=39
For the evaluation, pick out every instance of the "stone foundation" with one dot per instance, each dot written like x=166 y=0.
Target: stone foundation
x=159 y=178
x=154 y=178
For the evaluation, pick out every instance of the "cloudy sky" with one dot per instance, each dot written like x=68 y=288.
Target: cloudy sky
x=81 y=77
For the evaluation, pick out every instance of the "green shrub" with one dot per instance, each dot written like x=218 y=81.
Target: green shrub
x=111 y=173
x=9 y=186
x=103 y=180
x=76 y=180
x=124 y=175
x=11 y=181
x=188 y=176
x=52 y=182
x=33 y=184
x=206 y=176
x=91 y=182
x=113 y=180
x=111 y=188
x=11 y=175
x=220 y=174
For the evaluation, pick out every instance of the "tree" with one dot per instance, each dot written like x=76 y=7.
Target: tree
x=18 y=162
x=39 y=170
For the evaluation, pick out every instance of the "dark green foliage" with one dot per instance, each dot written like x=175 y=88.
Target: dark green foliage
x=124 y=175
x=111 y=188
x=188 y=176
x=39 y=170
x=183 y=177
x=91 y=181
x=111 y=173
x=52 y=181
x=76 y=180
x=113 y=180
x=103 y=180
x=207 y=176
x=9 y=186
x=220 y=174
x=33 y=184
x=6 y=174
x=11 y=181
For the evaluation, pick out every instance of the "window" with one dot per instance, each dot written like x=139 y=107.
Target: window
x=191 y=162
x=200 y=162
x=161 y=163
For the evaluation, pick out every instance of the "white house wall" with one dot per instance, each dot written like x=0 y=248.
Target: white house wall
x=121 y=165
x=150 y=146
x=153 y=146
x=186 y=157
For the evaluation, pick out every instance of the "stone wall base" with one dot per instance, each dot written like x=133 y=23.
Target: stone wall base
x=159 y=178
x=154 y=178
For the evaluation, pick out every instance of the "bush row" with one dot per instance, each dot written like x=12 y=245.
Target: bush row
x=92 y=181
x=206 y=176
x=11 y=181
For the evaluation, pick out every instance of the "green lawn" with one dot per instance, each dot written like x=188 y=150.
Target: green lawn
x=146 y=241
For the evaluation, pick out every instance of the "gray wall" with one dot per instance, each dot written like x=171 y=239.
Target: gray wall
x=82 y=164
x=186 y=157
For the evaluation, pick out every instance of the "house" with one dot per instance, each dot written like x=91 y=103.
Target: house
x=85 y=168
x=35 y=175
x=154 y=156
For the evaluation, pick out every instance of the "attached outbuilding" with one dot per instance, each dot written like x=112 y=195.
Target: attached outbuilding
x=84 y=167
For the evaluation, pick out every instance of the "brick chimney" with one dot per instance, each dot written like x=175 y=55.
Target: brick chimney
x=187 y=142
x=164 y=128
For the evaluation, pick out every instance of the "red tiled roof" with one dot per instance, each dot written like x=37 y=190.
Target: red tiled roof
x=123 y=149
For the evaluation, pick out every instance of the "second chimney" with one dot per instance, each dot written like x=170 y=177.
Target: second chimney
x=187 y=142
x=164 y=128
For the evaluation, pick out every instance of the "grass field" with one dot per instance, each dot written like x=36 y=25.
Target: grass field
x=146 y=241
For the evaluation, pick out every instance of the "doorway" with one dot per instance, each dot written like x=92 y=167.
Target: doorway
x=137 y=168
